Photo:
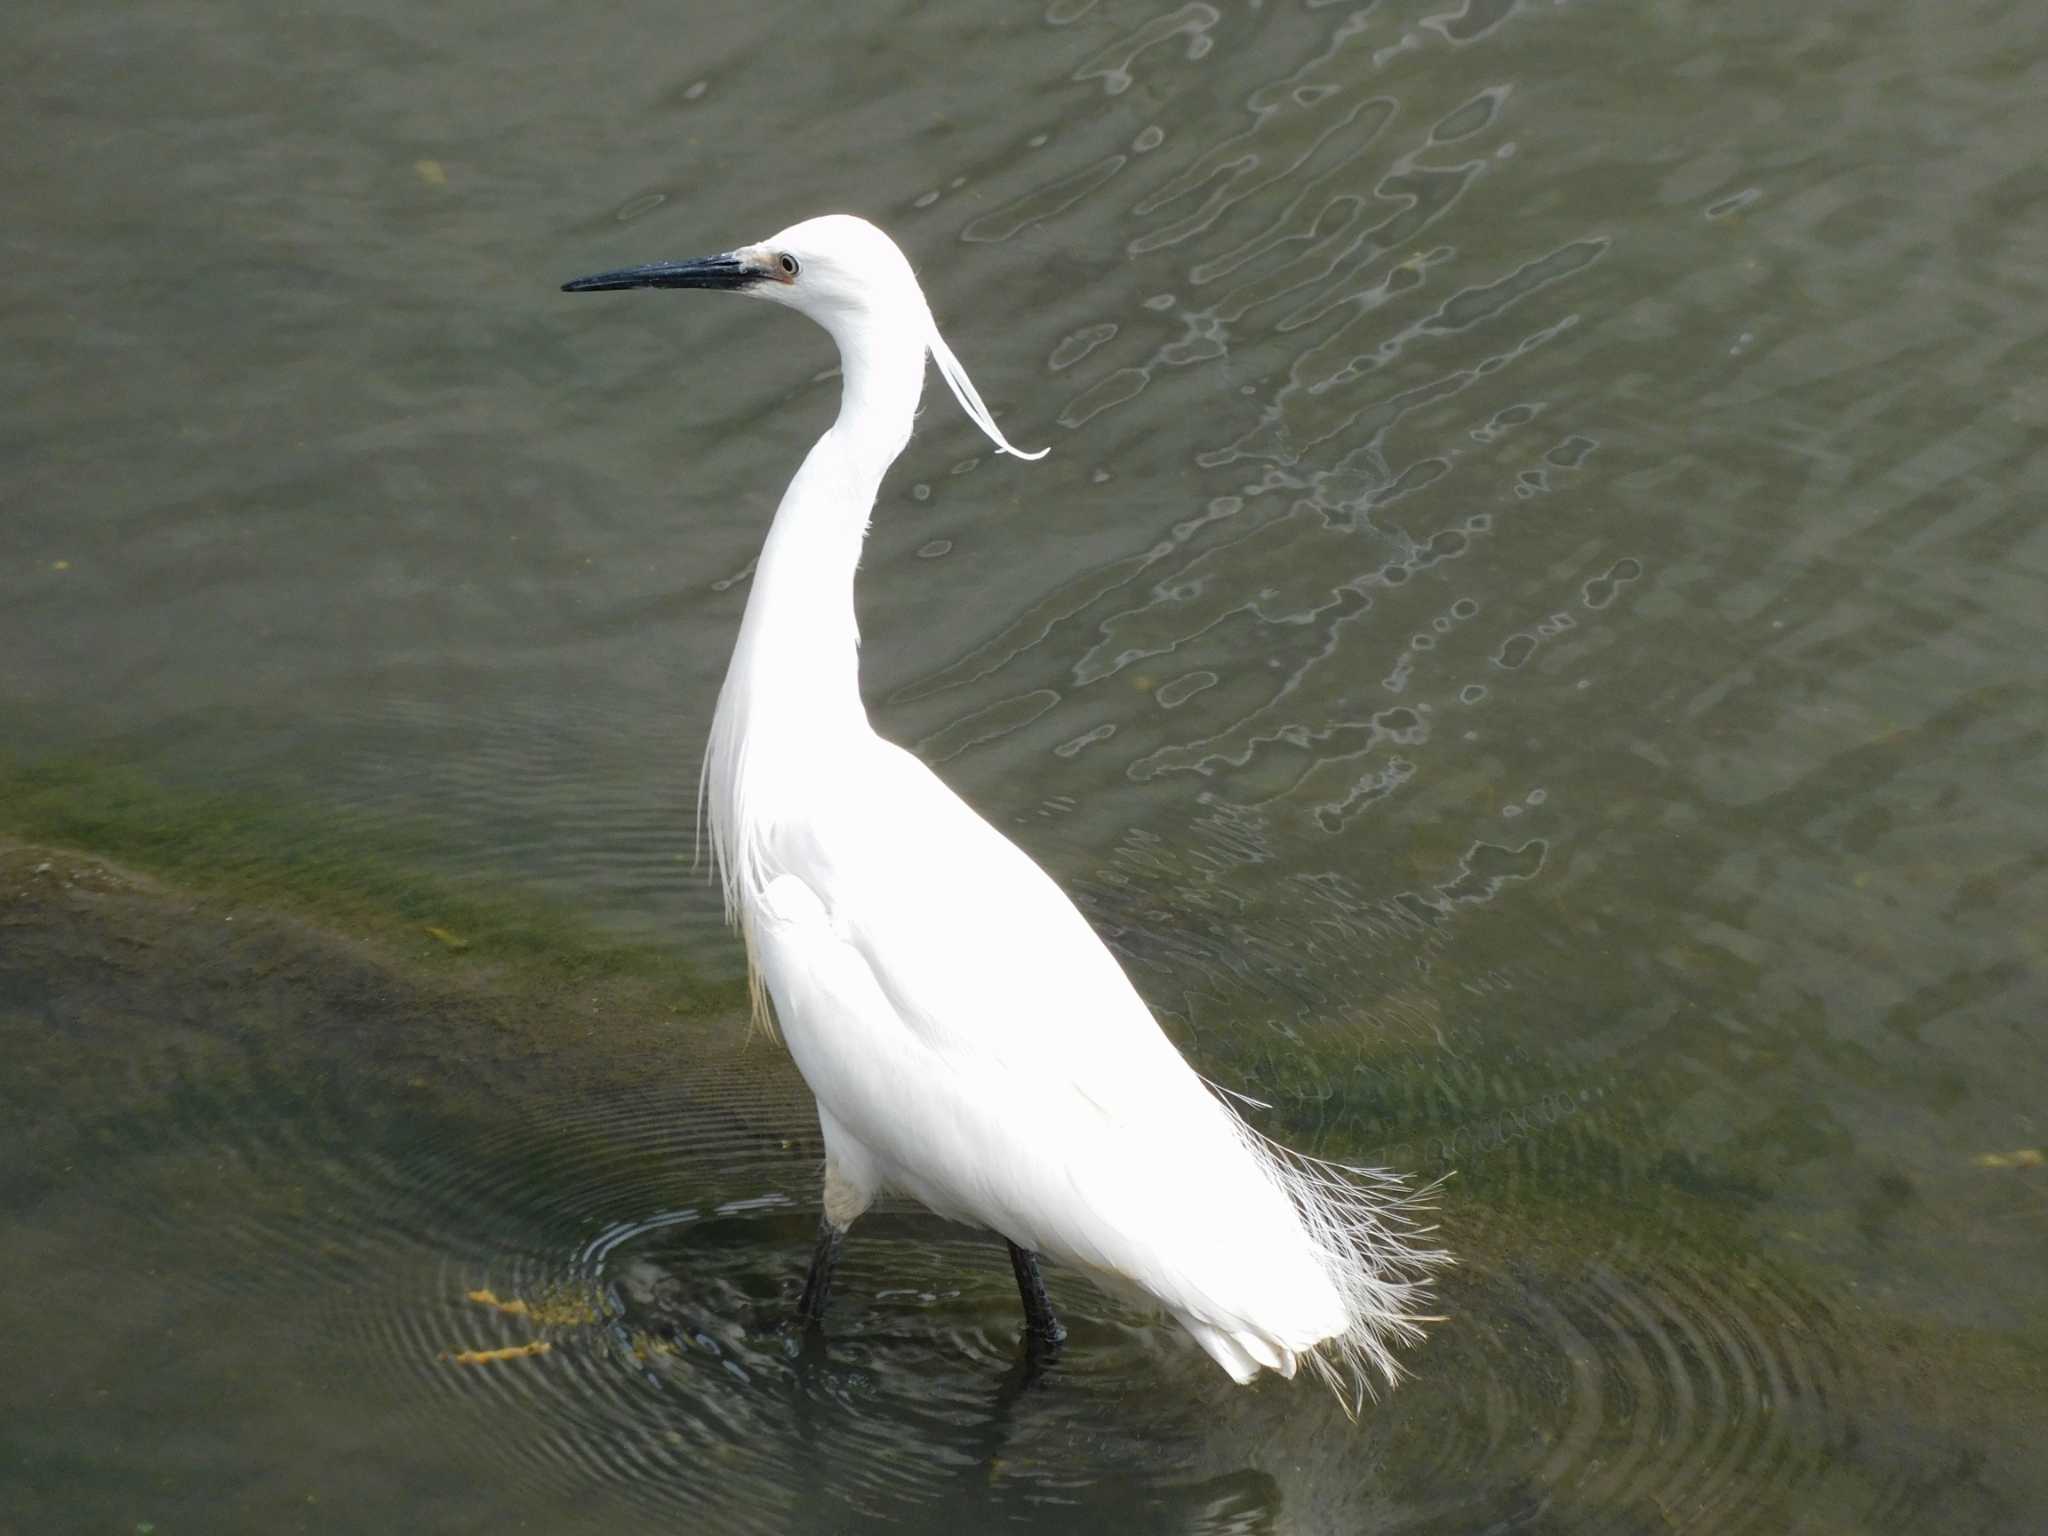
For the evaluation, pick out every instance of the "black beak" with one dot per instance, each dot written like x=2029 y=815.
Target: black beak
x=727 y=271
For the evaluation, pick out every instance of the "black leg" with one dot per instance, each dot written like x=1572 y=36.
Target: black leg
x=810 y=1310
x=1043 y=1334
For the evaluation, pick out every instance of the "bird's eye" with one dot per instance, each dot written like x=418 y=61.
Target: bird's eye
x=789 y=267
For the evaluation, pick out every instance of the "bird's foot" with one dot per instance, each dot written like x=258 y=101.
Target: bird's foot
x=810 y=1308
x=1043 y=1332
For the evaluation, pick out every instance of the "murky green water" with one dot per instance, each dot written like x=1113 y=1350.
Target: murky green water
x=1527 y=640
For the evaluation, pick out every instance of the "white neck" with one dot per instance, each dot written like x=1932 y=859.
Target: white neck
x=791 y=700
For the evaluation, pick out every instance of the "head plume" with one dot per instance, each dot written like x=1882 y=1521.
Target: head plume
x=970 y=397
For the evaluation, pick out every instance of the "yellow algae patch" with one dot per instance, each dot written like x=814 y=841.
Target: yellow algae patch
x=562 y=1307
x=430 y=172
x=646 y=1348
x=2025 y=1157
x=493 y=1356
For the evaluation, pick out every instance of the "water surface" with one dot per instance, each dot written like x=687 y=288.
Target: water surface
x=1526 y=642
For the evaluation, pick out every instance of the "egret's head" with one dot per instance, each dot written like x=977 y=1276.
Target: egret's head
x=837 y=266
x=830 y=268
x=838 y=269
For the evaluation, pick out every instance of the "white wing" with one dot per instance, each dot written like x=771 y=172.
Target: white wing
x=983 y=956
x=956 y=1015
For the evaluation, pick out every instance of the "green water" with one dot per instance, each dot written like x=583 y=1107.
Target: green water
x=1526 y=643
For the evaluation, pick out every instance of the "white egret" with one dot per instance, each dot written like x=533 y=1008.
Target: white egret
x=970 y=1041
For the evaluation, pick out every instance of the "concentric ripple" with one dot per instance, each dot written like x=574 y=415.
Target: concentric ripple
x=599 y=1298
x=1661 y=1392
x=586 y=1290
x=652 y=1271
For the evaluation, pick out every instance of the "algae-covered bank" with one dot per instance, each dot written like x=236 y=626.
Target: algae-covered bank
x=318 y=1224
